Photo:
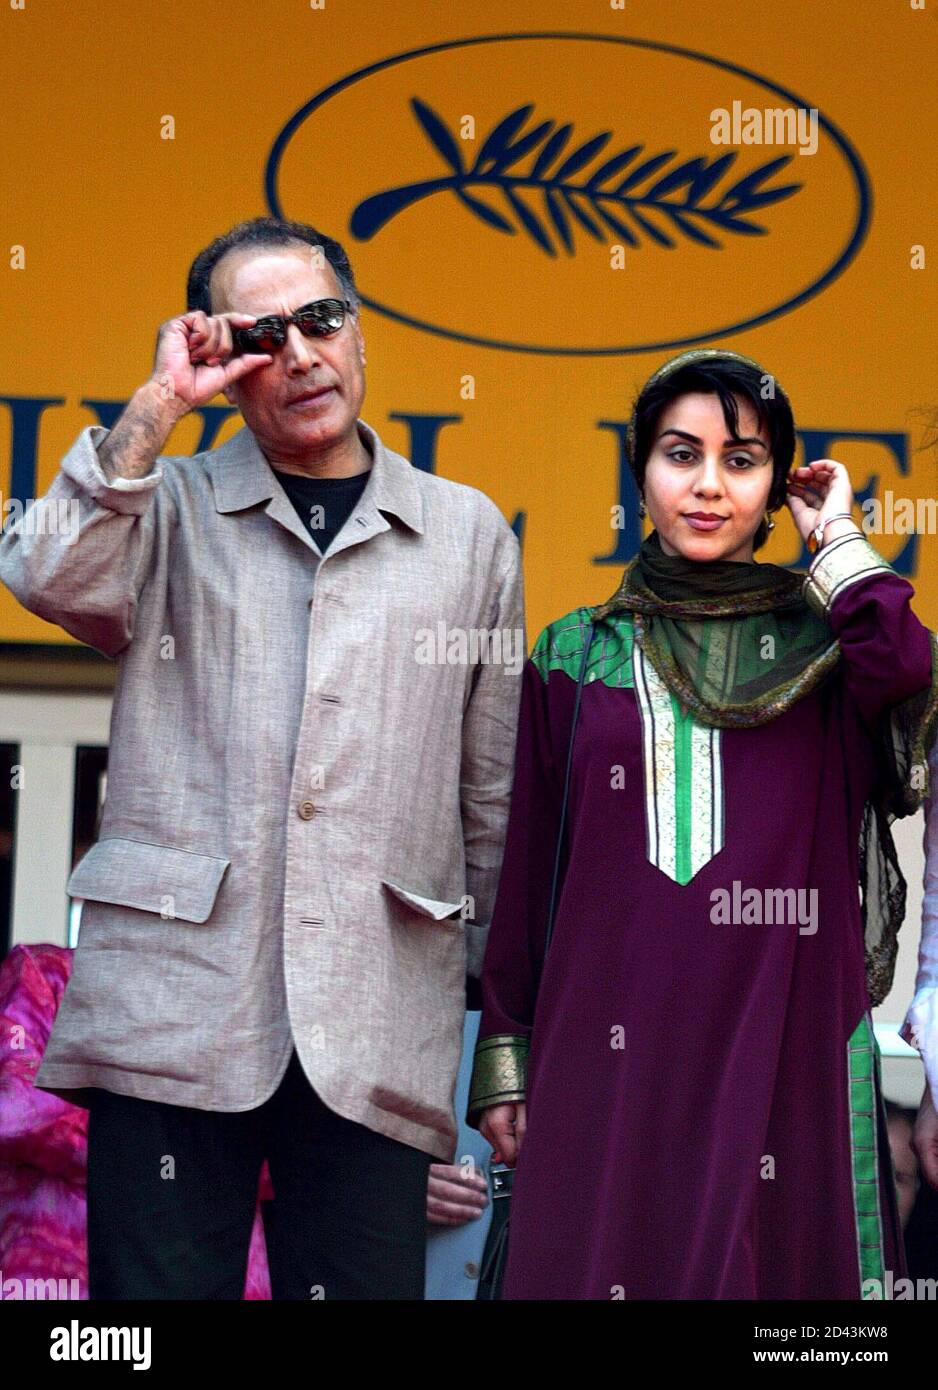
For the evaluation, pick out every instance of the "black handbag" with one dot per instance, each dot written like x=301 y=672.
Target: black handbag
x=495 y=1254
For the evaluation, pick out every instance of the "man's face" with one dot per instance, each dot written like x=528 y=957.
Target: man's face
x=279 y=280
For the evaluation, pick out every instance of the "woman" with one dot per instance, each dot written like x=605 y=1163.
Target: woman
x=694 y=1097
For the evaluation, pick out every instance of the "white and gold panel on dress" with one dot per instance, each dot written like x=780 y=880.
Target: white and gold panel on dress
x=683 y=772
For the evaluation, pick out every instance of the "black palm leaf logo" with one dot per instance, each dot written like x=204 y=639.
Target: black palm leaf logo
x=556 y=194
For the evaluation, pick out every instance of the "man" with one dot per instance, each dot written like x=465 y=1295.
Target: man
x=303 y=811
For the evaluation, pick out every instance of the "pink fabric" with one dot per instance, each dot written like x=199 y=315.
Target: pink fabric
x=43 y=1145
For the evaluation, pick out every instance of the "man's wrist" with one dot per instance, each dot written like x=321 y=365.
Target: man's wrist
x=159 y=399
x=140 y=432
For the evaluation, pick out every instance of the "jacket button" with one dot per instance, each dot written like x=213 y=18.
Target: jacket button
x=306 y=810
x=472 y=1269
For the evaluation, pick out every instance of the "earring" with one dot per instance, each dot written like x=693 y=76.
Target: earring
x=769 y=523
x=642 y=509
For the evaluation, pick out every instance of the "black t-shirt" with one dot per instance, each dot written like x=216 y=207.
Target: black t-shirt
x=323 y=504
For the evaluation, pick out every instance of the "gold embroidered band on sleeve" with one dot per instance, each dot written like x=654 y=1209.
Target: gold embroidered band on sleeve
x=499 y=1074
x=838 y=565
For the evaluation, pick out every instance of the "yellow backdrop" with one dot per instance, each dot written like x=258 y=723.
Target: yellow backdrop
x=513 y=306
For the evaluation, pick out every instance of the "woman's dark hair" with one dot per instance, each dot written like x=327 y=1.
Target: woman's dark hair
x=725 y=377
x=266 y=232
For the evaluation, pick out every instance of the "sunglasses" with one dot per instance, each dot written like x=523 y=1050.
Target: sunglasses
x=320 y=319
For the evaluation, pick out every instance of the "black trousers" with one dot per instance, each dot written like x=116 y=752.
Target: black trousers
x=172 y=1191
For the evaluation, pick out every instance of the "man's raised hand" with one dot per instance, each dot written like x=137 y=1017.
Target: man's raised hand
x=193 y=361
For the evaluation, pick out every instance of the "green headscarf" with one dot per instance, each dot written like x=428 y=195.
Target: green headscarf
x=734 y=640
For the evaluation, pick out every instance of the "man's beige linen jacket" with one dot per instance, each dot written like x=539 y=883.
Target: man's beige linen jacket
x=303 y=787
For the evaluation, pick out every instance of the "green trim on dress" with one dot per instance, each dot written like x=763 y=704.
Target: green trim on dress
x=560 y=648
x=683 y=773
x=862 y=1070
x=683 y=779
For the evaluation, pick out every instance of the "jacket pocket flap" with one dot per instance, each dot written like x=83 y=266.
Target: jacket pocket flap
x=153 y=878
x=437 y=908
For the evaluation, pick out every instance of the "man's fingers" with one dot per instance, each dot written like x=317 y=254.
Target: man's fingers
x=196 y=323
x=216 y=326
x=240 y=366
x=216 y=339
x=448 y=1214
x=463 y=1182
x=445 y=1190
x=200 y=338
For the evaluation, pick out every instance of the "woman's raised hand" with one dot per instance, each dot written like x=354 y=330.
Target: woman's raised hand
x=817 y=491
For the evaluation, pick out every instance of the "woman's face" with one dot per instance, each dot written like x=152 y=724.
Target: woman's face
x=705 y=493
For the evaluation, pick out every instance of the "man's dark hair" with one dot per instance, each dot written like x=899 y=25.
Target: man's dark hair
x=265 y=232
x=724 y=377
